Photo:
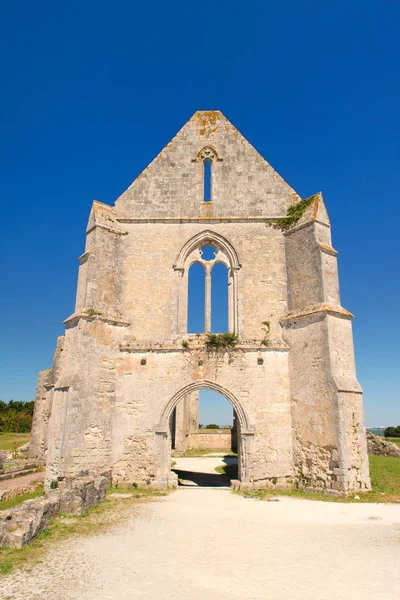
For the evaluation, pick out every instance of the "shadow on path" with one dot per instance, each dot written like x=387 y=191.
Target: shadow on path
x=200 y=475
x=193 y=479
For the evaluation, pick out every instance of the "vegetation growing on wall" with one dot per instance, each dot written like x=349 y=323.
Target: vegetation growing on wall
x=294 y=213
x=266 y=329
x=217 y=341
x=92 y=312
x=16 y=416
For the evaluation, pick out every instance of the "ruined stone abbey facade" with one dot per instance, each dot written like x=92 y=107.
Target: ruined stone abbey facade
x=127 y=359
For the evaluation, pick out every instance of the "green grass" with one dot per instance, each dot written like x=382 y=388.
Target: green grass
x=385 y=479
x=198 y=453
x=394 y=440
x=5 y=504
x=7 y=440
x=230 y=470
x=93 y=522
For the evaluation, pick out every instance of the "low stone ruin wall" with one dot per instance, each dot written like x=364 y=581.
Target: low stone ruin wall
x=17 y=490
x=381 y=447
x=21 y=524
x=210 y=439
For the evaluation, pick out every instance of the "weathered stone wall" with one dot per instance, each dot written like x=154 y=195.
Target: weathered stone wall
x=266 y=410
x=210 y=439
x=38 y=445
x=122 y=367
x=184 y=420
x=243 y=183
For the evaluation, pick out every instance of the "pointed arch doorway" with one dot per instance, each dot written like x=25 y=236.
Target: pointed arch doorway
x=163 y=433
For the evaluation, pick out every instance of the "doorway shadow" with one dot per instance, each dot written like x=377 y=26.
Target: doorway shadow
x=199 y=479
x=195 y=479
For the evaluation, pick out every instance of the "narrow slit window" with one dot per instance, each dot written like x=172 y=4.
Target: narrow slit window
x=207 y=180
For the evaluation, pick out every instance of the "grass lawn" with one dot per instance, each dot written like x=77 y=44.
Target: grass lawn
x=385 y=478
x=394 y=440
x=5 y=504
x=7 y=440
x=94 y=521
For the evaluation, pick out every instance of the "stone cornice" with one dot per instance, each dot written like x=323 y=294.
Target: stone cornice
x=323 y=308
x=348 y=385
x=83 y=257
x=304 y=225
x=144 y=347
x=106 y=228
x=328 y=249
x=92 y=316
x=198 y=219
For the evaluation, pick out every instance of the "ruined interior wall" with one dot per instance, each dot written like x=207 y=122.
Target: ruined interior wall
x=186 y=421
x=210 y=439
x=80 y=434
x=40 y=423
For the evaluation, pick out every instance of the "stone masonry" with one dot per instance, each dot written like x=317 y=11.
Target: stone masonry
x=126 y=359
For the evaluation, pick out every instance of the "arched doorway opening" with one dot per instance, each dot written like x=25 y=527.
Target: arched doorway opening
x=240 y=434
x=203 y=438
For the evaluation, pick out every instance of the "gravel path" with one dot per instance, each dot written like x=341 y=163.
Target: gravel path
x=210 y=543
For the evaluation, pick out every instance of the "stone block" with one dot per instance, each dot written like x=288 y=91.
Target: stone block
x=21 y=524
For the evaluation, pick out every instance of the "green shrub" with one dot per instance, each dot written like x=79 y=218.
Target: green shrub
x=294 y=213
x=54 y=484
x=16 y=416
x=221 y=340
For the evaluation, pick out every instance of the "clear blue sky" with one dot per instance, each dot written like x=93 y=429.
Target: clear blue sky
x=91 y=91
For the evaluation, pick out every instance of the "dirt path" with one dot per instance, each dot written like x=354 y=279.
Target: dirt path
x=210 y=543
x=7 y=484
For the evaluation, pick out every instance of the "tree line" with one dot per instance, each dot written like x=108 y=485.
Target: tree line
x=16 y=416
x=392 y=432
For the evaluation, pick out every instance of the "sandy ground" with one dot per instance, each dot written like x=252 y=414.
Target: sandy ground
x=7 y=484
x=210 y=543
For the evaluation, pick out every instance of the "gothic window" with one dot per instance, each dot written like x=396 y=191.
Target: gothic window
x=208 y=293
x=219 y=298
x=196 y=295
x=208 y=267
